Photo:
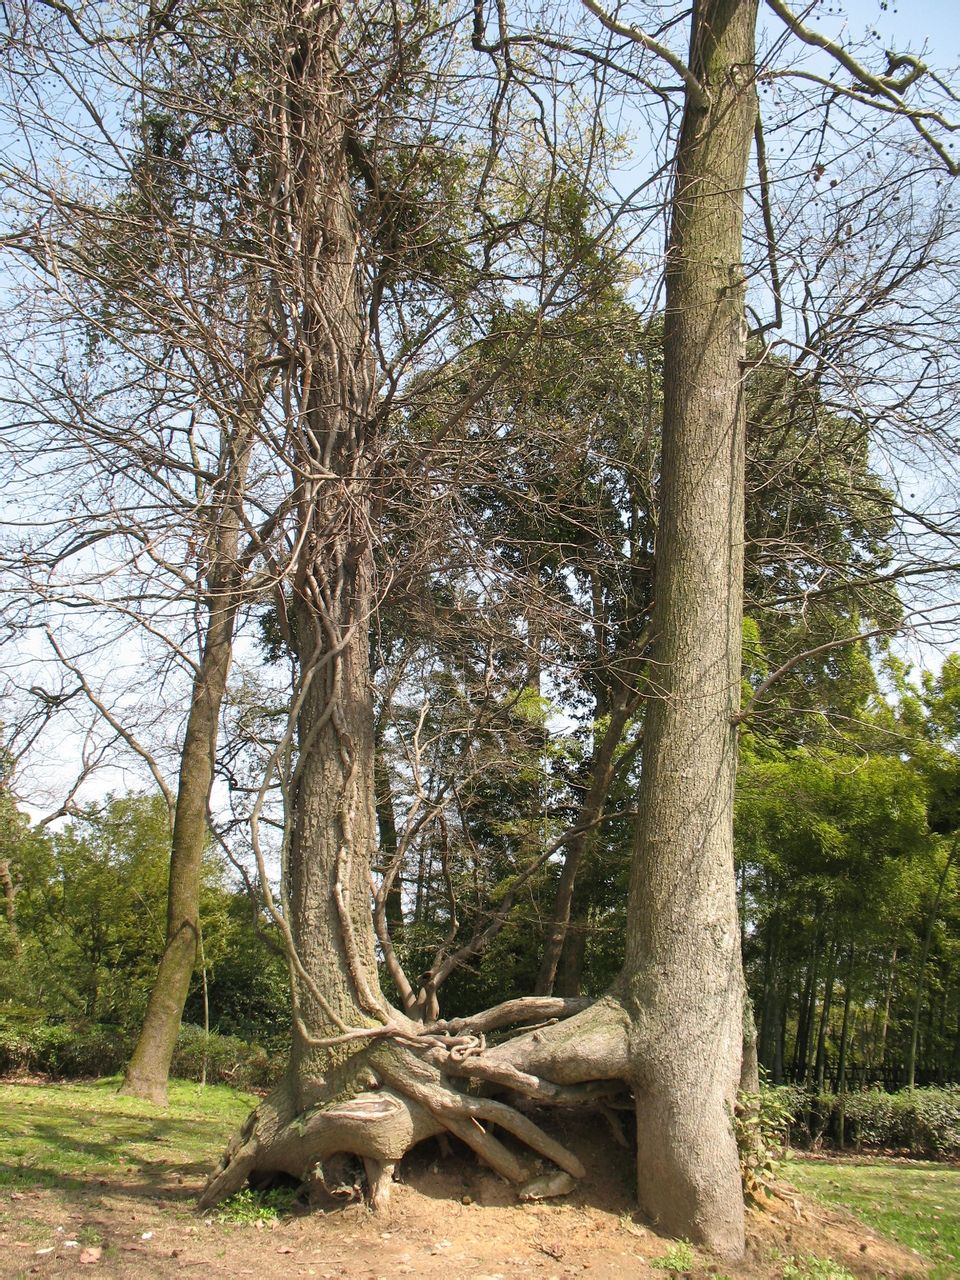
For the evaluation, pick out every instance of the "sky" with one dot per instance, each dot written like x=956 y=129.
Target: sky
x=933 y=25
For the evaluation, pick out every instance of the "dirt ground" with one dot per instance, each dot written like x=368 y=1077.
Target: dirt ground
x=448 y=1219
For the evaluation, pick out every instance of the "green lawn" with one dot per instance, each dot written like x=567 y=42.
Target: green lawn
x=70 y=1133
x=915 y=1202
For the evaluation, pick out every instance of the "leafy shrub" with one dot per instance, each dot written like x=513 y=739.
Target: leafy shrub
x=252 y=1208
x=762 y=1124
x=60 y=1050
x=923 y=1122
x=229 y=1060
x=66 y=1052
x=15 y=1025
x=680 y=1257
x=74 y=1050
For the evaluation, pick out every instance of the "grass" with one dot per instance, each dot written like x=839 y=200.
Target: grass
x=680 y=1257
x=916 y=1203
x=72 y=1134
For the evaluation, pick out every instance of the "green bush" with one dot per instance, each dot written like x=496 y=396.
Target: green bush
x=761 y=1122
x=922 y=1122
x=59 y=1050
x=229 y=1060
x=73 y=1050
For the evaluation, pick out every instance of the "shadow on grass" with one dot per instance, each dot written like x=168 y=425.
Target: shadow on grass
x=160 y=1184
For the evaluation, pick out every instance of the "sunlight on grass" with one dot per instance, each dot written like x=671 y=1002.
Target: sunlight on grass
x=72 y=1133
x=916 y=1203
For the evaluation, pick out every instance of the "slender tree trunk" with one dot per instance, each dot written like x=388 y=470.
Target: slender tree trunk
x=569 y=979
x=601 y=773
x=149 y=1067
x=922 y=968
x=387 y=829
x=820 y=1063
x=885 y=1020
x=9 y=901
x=770 y=1017
x=683 y=983
x=845 y=1028
x=808 y=1005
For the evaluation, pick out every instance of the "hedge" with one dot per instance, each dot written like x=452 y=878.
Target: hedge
x=66 y=1051
x=919 y=1122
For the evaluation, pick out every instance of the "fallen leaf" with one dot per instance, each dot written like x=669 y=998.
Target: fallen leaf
x=91 y=1254
x=49 y=1250
x=147 y=1235
x=284 y=1248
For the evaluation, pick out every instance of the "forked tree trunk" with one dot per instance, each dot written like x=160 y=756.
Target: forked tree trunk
x=682 y=979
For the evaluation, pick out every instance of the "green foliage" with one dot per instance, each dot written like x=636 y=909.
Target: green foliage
x=761 y=1123
x=90 y=924
x=61 y=1051
x=679 y=1257
x=251 y=1208
x=247 y=981
x=65 y=1051
x=91 y=913
x=228 y=1060
x=918 y=1122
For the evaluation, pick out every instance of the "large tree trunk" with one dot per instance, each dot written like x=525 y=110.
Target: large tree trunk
x=683 y=982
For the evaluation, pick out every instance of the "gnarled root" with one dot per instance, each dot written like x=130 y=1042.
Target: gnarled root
x=377 y=1127
x=563 y=1064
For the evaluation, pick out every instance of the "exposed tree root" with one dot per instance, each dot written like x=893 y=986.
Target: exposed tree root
x=377 y=1127
x=414 y=1096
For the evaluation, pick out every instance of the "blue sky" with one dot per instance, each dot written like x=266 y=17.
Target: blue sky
x=934 y=24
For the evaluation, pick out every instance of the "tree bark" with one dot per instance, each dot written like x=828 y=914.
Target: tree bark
x=9 y=900
x=682 y=980
x=149 y=1068
x=820 y=1064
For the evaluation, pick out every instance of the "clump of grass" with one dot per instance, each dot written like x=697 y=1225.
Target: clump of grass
x=248 y=1208
x=679 y=1257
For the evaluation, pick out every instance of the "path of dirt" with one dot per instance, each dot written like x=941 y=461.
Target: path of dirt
x=448 y=1220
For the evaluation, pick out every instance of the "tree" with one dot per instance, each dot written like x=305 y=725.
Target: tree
x=350 y=267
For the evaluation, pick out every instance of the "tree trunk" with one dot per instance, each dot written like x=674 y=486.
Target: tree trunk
x=389 y=840
x=149 y=1067
x=9 y=901
x=820 y=1065
x=845 y=1028
x=922 y=968
x=601 y=774
x=682 y=978
x=808 y=1005
x=881 y=1052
